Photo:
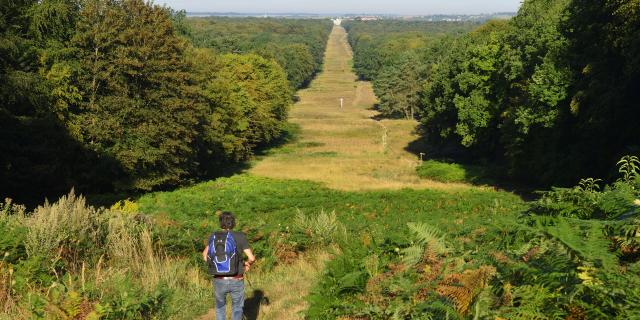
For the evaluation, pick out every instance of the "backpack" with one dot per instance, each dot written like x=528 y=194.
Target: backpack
x=222 y=257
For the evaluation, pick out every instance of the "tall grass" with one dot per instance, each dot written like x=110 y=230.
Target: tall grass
x=84 y=262
x=66 y=229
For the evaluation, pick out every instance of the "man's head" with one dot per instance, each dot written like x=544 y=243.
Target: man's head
x=227 y=220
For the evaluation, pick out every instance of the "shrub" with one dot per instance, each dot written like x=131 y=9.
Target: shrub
x=67 y=229
x=12 y=232
x=449 y=172
x=58 y=260
x=586 y=200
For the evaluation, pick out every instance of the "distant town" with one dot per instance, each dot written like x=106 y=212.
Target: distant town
x=362 y=17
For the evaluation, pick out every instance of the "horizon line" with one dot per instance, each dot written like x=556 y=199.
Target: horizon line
x=351 y=13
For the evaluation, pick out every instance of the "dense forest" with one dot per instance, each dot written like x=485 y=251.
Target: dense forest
x=113 y=96
x=297 y=45
x=551 y=95
x=395 y=56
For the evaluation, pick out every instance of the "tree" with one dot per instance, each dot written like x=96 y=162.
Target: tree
x=397 y=87
x=256 y=88
x=138 y=106
x=603 y=53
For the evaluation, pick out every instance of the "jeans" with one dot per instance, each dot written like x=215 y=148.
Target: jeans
x=236 y=289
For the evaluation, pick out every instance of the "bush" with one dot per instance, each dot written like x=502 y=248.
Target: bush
x=67 y=229
x=585 y=201
x=60 y=259
x=449 y=172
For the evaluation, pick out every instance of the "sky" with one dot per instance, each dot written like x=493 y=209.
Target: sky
x=404 y=7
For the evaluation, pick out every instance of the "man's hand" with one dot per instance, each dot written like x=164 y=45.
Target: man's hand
x=252 y=259
x=204 y=253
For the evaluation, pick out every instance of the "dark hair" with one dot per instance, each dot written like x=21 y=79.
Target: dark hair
x=227 y=220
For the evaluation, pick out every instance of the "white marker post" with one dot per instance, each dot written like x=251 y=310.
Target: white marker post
x=341 y=102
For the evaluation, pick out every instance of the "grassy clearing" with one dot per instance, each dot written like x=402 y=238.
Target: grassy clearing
x=360 y=188
x=342 y=150
x=369 y=154
x=268 y=208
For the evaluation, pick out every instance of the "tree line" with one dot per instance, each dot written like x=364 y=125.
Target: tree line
x=112 y=96
x=296 y=44
x=551 y=95
x=393 y=55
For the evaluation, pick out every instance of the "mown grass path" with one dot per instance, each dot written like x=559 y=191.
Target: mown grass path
x=342 y=148
x=345 y=148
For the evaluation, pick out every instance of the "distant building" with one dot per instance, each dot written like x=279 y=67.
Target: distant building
x=367 y=18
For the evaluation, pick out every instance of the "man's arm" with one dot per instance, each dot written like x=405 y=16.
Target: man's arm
x=204 y=253
x=251 y=259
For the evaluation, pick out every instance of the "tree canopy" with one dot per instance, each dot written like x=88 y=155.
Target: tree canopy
x=295 y=44
x=112 y=96
x=550 y=95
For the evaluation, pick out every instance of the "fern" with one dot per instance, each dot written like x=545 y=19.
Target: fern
x=72 y=304
x=322 y=229
x=412 y=255
x=583 y=239
x=534 y=302
x=463 y=288
x=430 y=236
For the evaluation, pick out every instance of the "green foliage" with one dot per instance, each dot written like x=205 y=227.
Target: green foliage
x=525 y=93
x=378 y=43
x=259 y=88
x=297 y=45
x=450 y=172
x=322 y=229
x=133 y=71
x=586 y=201
x=429 y=237
x=64 y=258
x=68 y=223
x=375 y=223
x=629 y=167
x=575 y=228
x=111 y=97
x=397 y=56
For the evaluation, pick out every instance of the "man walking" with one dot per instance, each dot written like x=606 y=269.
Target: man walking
x=224 y=256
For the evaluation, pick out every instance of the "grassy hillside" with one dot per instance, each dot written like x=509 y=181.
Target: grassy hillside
x=344 y=228
x=284 y=218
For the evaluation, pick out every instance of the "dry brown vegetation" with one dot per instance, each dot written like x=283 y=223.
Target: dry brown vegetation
x=346 y=148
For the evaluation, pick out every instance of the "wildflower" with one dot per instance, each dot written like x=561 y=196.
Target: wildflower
x=636 y=202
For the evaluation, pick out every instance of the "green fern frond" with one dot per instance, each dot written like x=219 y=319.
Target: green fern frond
x=429 y=235
x=71 y=304
x=412 y=255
